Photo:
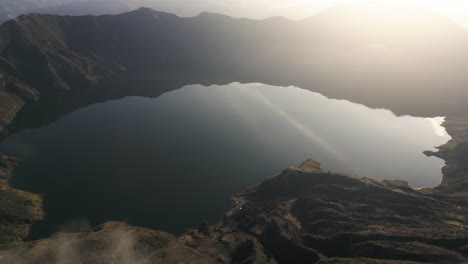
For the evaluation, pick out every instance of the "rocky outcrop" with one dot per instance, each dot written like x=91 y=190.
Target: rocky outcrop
x=455 y=154
x=303 y=215
x=18 y=209
x=13 y=96
x=109 y=243
x=315 y=215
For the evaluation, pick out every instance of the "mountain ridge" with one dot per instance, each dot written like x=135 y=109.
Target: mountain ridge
x=205 y=44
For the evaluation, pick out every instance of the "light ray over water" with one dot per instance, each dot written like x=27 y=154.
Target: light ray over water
x=195 y=147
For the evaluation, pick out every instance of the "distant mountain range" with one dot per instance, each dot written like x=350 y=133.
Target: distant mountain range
x=412 y=62
x=253 y=9
x=10 y=9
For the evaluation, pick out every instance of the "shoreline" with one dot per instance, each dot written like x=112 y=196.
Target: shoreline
x=265 y=210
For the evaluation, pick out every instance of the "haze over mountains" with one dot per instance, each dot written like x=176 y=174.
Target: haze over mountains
x=411 y=61
x=256 y=9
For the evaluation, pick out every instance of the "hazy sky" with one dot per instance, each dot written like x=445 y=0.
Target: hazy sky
x=457 y=10
x=296 y=9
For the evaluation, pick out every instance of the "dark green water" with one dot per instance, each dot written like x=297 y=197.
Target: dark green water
x=173 y=162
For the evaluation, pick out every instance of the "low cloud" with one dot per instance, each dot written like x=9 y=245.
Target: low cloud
x=119 y=246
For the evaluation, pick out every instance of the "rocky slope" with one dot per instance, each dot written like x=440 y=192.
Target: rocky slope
x=455 y=154
x=18 y=209
x=303 y=215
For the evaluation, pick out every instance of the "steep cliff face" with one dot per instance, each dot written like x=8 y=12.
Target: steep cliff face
x=18 y=209
x=36 y=51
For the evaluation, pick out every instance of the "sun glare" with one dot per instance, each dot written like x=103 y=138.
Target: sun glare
x=457 y=10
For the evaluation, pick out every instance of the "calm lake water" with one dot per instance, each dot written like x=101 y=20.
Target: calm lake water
x=173 y=162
